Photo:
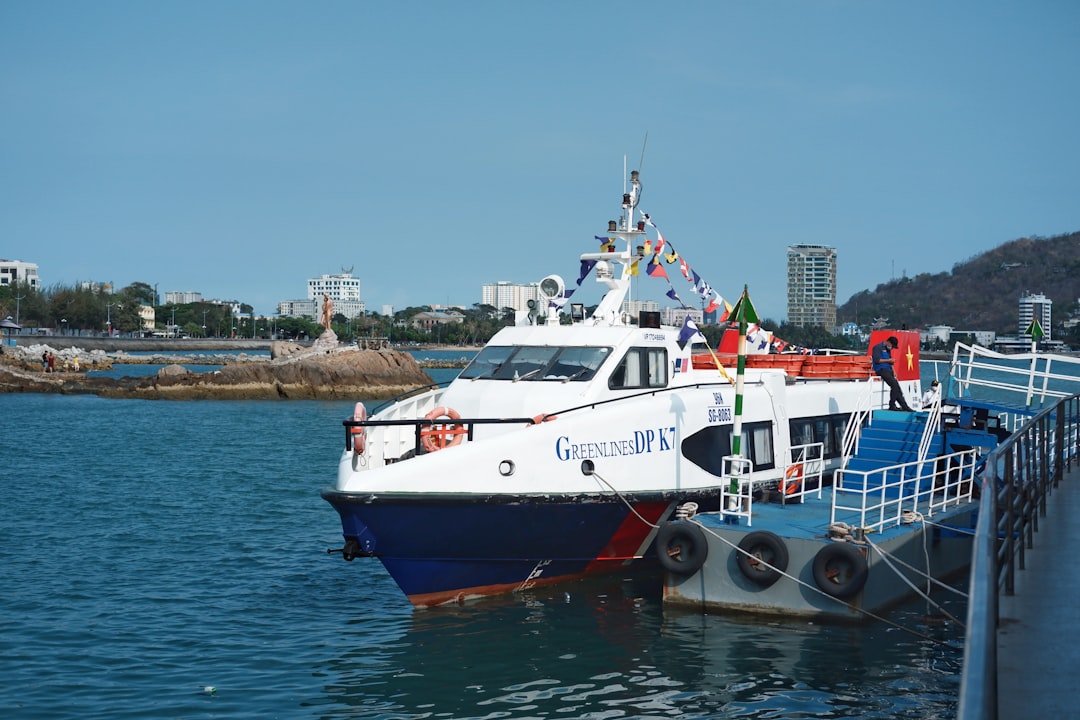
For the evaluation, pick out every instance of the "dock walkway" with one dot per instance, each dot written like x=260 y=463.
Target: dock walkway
x=1038 y=637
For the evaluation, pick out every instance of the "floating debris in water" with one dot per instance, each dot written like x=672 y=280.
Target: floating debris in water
x=209 y=689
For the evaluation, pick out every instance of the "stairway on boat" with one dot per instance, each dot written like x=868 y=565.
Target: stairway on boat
x=887 y=454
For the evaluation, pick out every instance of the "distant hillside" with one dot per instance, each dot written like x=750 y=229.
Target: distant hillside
x=980 y=294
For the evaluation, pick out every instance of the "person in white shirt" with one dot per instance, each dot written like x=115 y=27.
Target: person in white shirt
x=931 y=394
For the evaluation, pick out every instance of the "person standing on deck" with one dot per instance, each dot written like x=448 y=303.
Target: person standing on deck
x=881 y=357
x=931 y=394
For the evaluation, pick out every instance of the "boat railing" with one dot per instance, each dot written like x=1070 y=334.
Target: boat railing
x=932 y=427
x=802 y=477
x=395 y=434
x=852 y=432
x=400 y=439
x=736 y=490
x=1020 y=474
x=894 y=494
x=1029 y=377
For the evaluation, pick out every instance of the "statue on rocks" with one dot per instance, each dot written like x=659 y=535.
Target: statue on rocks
x=328 y=340
x=327 y=311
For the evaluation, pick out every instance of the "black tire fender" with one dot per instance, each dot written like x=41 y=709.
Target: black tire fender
x=681 y=547
x=840 y=569
x=762 y=545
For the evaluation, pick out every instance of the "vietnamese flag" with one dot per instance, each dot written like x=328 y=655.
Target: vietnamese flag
x=905 y=356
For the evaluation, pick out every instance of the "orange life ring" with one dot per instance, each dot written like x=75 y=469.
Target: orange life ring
x=792 y=479
x=441 y=435
x=358 y=432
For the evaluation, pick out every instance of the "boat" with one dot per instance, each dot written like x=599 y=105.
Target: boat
x=896 y=520
x=564 y=445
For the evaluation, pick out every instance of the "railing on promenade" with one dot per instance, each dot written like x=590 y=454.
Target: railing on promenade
x=1020 y=474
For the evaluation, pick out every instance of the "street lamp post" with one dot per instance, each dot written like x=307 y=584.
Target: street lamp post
x=172 y=327
x=63 y=326
x=108 y=318
x=204 y=322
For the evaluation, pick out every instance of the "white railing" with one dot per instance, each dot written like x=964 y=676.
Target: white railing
x=850 y=443
x=391 y=442
x=1029 y=376
x=933 y=425
x=736 y=491
x=801 y=477
x=884 y=497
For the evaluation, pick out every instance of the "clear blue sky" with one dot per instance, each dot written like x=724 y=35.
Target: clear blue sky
x=237 y=148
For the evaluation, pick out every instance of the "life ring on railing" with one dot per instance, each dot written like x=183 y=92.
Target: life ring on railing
x=441 y=435
x=681 y=547
x=792 y=479
x=840 y=569
x=358 y=433
x=760 y=547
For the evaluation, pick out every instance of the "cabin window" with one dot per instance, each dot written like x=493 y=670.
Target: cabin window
x=576 y=363
x=529 y=362
x=487 y=362
x=825 y=429
x=526 y=362
x=707 y=447
x=641 y=368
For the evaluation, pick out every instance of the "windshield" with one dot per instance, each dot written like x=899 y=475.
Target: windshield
x=564 y=364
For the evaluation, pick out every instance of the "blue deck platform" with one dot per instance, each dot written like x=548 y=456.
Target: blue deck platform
x=804 y=521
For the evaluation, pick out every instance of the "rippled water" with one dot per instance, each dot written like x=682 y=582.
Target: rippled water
x=151 y=550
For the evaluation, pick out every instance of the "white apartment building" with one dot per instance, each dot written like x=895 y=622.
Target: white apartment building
x=342 y=288
x=187 y=297
x=676 y=316
x=17 y=271
x=505 y=294
x=811 y=285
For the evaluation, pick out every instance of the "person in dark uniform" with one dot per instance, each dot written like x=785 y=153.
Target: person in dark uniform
x=881 y=357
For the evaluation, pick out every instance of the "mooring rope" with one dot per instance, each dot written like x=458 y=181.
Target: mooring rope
x=690 y=512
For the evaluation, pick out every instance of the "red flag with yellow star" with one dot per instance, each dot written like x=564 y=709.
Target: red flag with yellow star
x=905 y=356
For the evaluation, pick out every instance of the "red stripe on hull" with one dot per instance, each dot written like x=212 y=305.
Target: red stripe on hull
x=631 y=539
x=481 y=591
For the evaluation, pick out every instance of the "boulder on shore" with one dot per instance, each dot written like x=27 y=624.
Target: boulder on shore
x=311 y=374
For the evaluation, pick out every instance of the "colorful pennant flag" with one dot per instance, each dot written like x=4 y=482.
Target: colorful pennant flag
x=688 y=331
x=655 y=269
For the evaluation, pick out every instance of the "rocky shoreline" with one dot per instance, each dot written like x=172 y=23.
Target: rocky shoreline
x=326 y=370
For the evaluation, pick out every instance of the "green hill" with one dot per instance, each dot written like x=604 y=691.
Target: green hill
x=982 y=293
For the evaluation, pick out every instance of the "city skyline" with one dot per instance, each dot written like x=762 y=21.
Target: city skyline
x=437 y=147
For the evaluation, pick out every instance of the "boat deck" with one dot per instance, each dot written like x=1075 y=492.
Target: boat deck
x=806 y=520
x=1038 y=637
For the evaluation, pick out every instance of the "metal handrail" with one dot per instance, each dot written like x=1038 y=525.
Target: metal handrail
x=933 y=424
x=881 y=497
x=1020 y=473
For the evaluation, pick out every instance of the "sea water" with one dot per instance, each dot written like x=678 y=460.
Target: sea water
x=166 y=559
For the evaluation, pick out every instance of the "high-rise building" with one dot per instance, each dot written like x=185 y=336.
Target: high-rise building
x=1033 y=307
x=811 y=286
x=505 y=294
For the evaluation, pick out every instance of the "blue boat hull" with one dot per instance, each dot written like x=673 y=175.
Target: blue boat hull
x=446 y=548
